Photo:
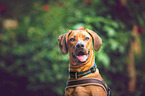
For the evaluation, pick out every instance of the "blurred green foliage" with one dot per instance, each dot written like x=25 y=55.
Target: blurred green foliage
x=30 y=60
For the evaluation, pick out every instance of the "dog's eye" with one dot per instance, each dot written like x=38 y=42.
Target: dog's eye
x=72 y=39
x=87 y=38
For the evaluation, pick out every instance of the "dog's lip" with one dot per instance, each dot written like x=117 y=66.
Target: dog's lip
x=81 y=55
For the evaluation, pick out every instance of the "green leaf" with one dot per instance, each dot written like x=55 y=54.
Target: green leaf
x=110 y=31
x=78 y=25
x=104 y=58
x=114 y=44
x=114 y=24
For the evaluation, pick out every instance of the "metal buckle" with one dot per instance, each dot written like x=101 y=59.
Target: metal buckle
x=76 y=75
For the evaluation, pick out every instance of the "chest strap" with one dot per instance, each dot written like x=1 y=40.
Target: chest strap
x=83 y=73
x=90 y=81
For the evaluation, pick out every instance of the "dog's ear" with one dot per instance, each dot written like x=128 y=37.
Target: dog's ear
x=96 y=38
x=62 y=42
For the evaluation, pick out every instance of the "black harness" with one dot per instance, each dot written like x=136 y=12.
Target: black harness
x=90 y=81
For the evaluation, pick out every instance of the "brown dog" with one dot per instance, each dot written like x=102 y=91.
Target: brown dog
x=78 y=43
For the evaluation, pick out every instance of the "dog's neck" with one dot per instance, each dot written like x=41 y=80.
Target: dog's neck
x=79 y=67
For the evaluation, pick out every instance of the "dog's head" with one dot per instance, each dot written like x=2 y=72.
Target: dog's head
x=79 y=44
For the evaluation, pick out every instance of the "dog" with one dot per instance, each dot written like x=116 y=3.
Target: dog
x=84 y=77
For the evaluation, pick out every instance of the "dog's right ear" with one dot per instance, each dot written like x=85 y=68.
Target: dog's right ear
x=62 y=42
x=96 y=38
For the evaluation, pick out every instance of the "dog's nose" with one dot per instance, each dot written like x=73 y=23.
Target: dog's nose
x=80 y=45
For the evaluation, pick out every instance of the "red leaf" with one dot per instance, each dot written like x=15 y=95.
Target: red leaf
x=140 y=30
x=46 y=7
x=81 y=28
x=3 y=9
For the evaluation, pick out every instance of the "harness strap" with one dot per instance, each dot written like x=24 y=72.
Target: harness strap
x=83 y=73
x=90 y=81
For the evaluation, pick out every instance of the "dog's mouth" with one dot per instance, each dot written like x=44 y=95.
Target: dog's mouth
x=80 y=56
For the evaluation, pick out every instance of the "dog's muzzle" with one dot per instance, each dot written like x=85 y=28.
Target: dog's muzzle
x=81 y=54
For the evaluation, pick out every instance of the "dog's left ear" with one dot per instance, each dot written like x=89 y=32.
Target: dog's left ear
x=96 y=38
x=62 y=42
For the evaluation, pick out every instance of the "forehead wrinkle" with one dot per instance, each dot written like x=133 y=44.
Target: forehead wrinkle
x=84 y=34
x=79 y=34
x=74 y=33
